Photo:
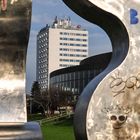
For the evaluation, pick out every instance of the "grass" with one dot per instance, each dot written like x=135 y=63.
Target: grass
x=62 y=130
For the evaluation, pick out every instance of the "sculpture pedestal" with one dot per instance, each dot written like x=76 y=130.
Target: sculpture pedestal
x=28 y=131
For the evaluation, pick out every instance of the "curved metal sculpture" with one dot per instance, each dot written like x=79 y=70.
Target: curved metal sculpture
x=109 y=106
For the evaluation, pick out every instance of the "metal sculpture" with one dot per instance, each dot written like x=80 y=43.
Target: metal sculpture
x=15 y=26
x=109 y=107
x=15 y=18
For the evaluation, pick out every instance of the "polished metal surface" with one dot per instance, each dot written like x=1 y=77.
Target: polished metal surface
x=109 y=107
x=14 y=33
x=28 y=131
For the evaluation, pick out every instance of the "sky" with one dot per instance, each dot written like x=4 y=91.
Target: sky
x=44 y=12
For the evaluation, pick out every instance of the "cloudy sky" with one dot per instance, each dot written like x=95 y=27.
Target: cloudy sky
x=44 y=12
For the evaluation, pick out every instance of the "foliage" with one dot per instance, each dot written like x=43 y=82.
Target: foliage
x=39 y=99
x=61 y=98
x=50 y=100
x=35 y=89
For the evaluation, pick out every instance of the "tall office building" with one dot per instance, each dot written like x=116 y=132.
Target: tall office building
x=58 y=46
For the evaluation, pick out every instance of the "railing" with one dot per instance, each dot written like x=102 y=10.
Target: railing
x=55 y=118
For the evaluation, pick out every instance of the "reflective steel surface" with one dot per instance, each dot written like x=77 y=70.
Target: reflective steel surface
x=28 y=131
x=14 y=33
x=109 y=107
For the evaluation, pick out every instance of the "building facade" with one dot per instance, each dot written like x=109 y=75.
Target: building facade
x=58 y=46
x=74 y=79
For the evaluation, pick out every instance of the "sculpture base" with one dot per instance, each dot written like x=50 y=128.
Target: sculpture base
x=28 y=131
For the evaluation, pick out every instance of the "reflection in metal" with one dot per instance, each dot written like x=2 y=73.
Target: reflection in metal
x=28 y=131
x=109 y=107
x=14 y=33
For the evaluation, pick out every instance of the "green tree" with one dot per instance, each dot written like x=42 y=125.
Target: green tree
x=35 y=89
x=39 y=99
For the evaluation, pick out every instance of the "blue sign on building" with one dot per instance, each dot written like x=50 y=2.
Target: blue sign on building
x=133 y=16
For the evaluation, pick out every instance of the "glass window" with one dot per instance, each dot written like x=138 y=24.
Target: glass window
x=84 y=45
x=62 y=77
x=73 y=76
x=68 y=76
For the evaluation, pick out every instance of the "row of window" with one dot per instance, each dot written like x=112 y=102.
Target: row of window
x=70 y=44
x=73 y=39
x=74 y=34
x=75 y=75
x=43 y=87
x=43 y=55
x=43 y=76
x=65 y=65
x=43 y=66
x=69 y=60
x=74 y=81
x=43 y=71
x=42 y=35
x=74 y=87
x=43 y=40
x=73 y=50
x=43 y=45
x=73 y=55
x=44 y=50
x=42 y=61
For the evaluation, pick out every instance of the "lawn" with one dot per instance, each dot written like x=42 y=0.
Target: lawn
x=58 y=130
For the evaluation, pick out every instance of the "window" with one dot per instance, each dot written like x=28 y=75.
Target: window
x=65 y=60
x=72 y=34
x=84 y=50
x=78 y=39
x=78 y=45
x=77 y=60
x=72 y=39
x=84 y=45
x=71 y=44
x=78 y=34
x=65 y=39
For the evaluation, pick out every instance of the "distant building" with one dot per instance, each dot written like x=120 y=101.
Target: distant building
x=58 y=46
x=74 y=79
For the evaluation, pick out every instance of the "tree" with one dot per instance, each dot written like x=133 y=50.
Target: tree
x=35 y=89
x=39 y=99
x=61 y=99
